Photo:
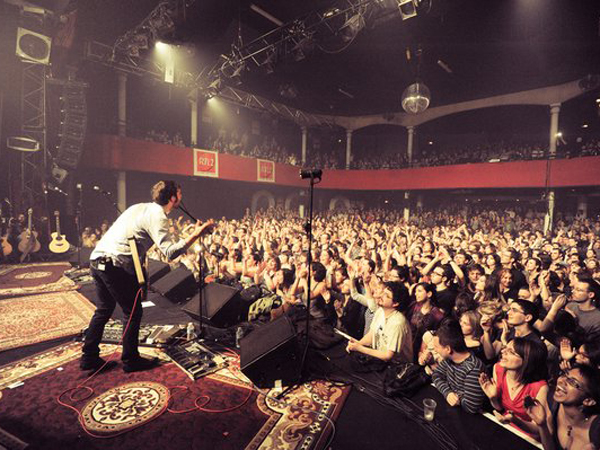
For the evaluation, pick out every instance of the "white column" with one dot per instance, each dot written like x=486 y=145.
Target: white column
x=406 y=206
x=420 y=202
x=409 y=146
x=122 y=104
x=582 y=205
x=304 y=142
x=554 y=111
x=122 y=190
x=194 y=122
x=122 y=131
x=348 y=148
x=549 y=219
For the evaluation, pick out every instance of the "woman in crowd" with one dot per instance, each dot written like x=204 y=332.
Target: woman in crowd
x=520 y=373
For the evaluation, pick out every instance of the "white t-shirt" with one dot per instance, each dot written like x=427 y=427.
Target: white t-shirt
x=392 y=333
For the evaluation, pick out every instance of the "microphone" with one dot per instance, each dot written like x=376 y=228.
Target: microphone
x=182 y=208
x=102 y=191
x=311 y=173
x=79 y=186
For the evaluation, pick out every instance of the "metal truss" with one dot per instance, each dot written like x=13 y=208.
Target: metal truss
x=102 y=54
x=317 y=29
x=33 y=125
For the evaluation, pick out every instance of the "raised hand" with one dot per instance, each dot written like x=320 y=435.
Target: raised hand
x=559 y=302
x=488 y=386
x=537 y=412
x=567 y=352
x=505 y=332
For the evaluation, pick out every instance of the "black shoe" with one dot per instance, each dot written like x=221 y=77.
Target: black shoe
x=96 y=364
x=140 y=364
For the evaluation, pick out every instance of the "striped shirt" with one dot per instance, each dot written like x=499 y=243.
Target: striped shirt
x=463 y=380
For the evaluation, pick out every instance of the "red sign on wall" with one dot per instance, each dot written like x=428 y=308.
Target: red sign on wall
x=206 y=163
x=265 y=170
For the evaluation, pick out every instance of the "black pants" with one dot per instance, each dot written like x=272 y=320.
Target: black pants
x=114 y=285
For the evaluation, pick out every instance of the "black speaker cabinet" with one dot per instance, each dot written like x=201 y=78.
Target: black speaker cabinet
x=221 y=305
x=157 y=270
x=177 y=286
x=271 y=353
x=85 y=257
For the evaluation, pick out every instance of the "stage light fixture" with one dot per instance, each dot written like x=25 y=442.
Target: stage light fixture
x=408 y=8
x=352 y=27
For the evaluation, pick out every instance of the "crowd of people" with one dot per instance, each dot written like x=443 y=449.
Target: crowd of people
x=165 y=138
x=495 y=311
x=251 y=146
x=428 y=155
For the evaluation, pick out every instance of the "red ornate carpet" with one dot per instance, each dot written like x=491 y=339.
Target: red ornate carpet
x=31 y=412
x=24 y=279
x=38 y=318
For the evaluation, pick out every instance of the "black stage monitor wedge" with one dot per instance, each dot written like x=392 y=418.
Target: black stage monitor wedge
x=85 y=257
x=221 y=305
x=271 y=353
x=177 y=286
x=157 y=270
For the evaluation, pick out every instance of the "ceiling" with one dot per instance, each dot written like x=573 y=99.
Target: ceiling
x=491 y=47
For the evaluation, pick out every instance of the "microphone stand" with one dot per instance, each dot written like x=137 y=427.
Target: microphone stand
x=78 y=225
x=109 y=198
x=308 y=230
x=200 y=283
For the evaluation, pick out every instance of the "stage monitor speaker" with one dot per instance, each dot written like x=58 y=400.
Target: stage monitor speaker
x=271 y=353
x=85 y=257
x=222 y=306
x=177 y=286
x=157 y=270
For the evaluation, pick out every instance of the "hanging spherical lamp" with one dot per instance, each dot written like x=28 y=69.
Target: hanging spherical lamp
x=416 y=98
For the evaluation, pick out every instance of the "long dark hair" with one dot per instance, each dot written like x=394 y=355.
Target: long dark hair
x=534 y=357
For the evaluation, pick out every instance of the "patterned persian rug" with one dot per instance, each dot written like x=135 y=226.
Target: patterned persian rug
x=37 y=318
x=232 y=415
x=36 y=278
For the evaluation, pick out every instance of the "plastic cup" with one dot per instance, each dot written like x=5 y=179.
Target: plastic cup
x=429 y=409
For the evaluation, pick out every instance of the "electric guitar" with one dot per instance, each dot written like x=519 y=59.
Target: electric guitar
x=28 y=242
x=59 y=243
x=4 y=244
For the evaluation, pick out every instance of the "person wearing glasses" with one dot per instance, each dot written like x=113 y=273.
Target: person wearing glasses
x=584 y=305
x=521 y=316
x=520 y=373
x=571 y=420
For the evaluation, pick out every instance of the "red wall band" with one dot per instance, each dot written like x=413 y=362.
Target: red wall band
x=113 y=152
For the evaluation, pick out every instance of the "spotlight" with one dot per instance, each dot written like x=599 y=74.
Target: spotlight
x=408 y=8
x=352 y=27
x=161 y=46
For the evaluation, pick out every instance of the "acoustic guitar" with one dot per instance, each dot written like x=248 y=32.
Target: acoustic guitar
x=4 y=244
x=59 y=243
x=28 y=242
